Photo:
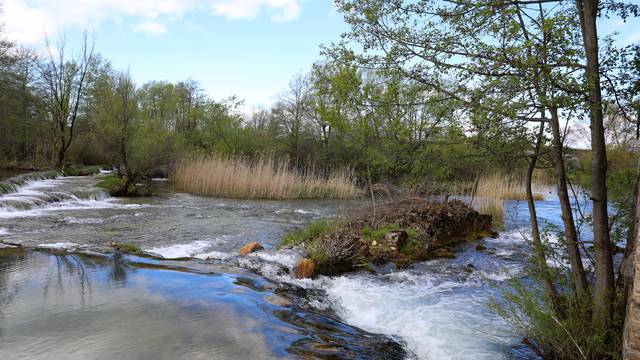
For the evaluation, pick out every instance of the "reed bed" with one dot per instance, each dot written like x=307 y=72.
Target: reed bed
x=490 y=191
x=265 y=177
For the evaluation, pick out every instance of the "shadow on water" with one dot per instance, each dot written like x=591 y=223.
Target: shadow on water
x=60 y=305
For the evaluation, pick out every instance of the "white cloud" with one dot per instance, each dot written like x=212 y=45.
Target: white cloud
x=150 y=27
x=632 y=38
x=281 y=10
x=27 y=20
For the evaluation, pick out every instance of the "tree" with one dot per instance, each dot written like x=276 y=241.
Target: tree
x=64 y=82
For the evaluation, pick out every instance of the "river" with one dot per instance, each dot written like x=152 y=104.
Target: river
x=76 y=299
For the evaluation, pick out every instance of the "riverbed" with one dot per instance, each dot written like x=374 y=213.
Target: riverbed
x=196 y=298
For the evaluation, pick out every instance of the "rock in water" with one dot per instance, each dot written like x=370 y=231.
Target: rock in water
x=305 y=269
x=250 y=247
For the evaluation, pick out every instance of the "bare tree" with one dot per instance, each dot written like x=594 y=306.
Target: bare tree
x=64 y=85
x=292 y=108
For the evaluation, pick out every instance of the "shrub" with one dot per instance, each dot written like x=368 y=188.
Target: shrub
x=569 y=335
x=113 y=184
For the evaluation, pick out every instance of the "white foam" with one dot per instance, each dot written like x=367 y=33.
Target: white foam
x=59 y=245
x=12 y=213
x=434 y=320
x=182 y=250
x=213 y=255
x=303 y=211
x=286 y=257
x=4 y=231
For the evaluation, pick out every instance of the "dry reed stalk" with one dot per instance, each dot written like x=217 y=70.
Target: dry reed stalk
x=492 y=190
x=264 y=177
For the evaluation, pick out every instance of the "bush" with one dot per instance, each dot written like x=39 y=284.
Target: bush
x=558 y=326
x=566 y=335
x=113 y=184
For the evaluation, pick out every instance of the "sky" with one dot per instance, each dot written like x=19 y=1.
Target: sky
x=247 y=48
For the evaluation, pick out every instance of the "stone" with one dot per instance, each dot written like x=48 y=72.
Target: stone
x=278 y=300
x=396 y=239
x=481 y=247
x=250 y=247
x=305 y=269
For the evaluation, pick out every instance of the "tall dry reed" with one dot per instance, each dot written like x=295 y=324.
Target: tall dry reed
x=264 y=177
x=491 y=190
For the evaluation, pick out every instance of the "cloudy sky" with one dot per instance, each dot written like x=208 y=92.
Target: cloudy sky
x=248 y=48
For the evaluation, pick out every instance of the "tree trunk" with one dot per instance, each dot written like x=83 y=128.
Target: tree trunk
x=626 y=270
x=604 y=282
x=631 y=333
x=61 y=153
x=570 y=234
x=535 y=229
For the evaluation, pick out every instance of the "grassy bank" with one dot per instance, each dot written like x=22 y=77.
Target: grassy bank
x=262 y=178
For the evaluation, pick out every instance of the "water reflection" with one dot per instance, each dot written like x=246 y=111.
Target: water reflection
x=116 y=307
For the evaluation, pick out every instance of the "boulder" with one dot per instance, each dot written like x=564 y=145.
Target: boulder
x=250 y=247
x=481 y=247
x=305 y=269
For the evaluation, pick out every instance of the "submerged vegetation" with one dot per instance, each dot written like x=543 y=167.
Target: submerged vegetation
x=265 y=177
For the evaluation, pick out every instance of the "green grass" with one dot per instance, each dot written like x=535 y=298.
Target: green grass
x=319 y=256
x=311 y=232
x=378 y=234
x=112 y=183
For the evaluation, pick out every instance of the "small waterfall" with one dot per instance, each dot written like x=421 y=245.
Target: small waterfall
x=38 y=190
x=13 y=184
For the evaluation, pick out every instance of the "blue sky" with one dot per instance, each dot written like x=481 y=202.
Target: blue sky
x=251 y=48
x=247 y=48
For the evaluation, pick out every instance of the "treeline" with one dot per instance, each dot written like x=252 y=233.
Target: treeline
x=65 y=108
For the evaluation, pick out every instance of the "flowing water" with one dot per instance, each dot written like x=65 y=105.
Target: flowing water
x=86 y=302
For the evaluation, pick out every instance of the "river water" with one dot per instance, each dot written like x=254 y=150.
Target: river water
x=86 y=302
